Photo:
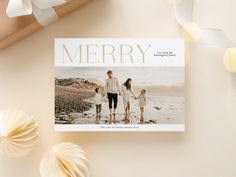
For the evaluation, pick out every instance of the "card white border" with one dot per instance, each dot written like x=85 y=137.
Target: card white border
x=120 y=127
x=167 y=43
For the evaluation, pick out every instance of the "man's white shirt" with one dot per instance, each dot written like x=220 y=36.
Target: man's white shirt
x=112 y=85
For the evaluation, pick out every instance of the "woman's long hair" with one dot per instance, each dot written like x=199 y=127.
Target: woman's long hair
x=127 y=84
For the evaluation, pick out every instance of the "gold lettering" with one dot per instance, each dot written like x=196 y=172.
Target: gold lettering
x=72 y=59
x=127 y=53
x=109 y=53
x=143 y=52
x=91 y=53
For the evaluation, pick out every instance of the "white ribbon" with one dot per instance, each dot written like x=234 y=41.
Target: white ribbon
x=42 y=9
x=210 y=37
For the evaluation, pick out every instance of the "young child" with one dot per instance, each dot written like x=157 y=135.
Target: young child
x=98 y=101
x=142 y=102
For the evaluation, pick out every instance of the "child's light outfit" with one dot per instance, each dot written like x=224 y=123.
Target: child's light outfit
x=142 y=100
x=126 y=94
x=98 y=102
x=98 y=99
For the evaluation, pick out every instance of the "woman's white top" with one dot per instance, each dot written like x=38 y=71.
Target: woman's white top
x=142 y=100
x=98 y=98
x=127 y=94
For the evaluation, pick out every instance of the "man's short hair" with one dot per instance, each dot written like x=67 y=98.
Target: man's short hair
x=109 y=72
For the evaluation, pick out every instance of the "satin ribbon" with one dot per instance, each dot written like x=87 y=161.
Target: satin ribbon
x=210 y=37
x=42 y=9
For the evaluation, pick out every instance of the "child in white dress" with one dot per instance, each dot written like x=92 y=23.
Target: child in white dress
x=142 y=102
x=98 y=101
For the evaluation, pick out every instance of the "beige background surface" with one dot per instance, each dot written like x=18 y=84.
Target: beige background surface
x=206 y=149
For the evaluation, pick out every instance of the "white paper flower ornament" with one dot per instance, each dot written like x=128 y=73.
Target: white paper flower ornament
x=64 y=160
x=18 y=133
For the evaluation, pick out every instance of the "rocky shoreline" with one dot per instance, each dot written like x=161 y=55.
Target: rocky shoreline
x=71 y=96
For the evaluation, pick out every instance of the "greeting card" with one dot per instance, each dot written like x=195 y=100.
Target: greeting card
x=119 y=84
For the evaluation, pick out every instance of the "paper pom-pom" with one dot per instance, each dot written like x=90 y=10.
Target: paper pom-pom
x=64 y=160
x=18 y=133
x=230 y=59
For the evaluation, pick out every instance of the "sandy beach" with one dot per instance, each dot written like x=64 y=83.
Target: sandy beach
x=74 y=104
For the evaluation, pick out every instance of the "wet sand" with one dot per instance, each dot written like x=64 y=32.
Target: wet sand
x=159 y=110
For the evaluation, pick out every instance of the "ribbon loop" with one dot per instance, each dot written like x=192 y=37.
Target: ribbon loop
x=42 y=9
x=19 y=8
x=210 y=37
x=46 y=4
x=44 y=16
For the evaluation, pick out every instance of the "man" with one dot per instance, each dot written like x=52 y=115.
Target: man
x=112 y=89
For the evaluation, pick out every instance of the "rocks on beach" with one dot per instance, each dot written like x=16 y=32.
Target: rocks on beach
x=157 y=108
x=71 y=95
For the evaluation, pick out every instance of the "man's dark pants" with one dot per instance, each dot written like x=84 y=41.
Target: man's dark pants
x=112 y=97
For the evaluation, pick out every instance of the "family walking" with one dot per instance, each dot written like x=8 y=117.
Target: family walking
x=112 y=90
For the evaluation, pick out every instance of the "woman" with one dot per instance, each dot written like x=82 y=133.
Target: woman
x=127 y=92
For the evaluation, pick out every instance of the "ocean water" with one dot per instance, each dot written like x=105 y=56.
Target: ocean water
x=141 y=76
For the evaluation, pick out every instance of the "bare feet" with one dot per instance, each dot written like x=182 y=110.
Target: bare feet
x=141 y=119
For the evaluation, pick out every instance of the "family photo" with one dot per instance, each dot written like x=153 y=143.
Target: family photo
x=119 y=95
